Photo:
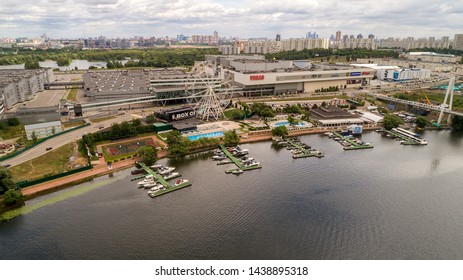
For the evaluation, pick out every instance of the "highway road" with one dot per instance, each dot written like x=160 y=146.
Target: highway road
x=64 y=139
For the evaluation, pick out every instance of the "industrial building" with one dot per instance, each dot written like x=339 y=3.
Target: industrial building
x=102 y=85
x=42 y=130
x=395 y=73
x=432 y=57
x=118 y=84
x=405 y=74
x=21 y=85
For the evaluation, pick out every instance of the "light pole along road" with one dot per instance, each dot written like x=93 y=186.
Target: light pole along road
x=64 y=139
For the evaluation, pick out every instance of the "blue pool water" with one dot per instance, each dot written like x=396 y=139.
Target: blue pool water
x=287 y=123
x=281 y=123
x=207 y=135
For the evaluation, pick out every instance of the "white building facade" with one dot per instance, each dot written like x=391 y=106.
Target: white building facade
x=42 y=130
x=21 y=85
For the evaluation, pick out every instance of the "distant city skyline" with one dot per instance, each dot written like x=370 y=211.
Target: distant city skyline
x=238 y=18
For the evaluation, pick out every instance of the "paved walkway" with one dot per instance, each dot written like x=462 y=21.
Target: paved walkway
x=98 y=170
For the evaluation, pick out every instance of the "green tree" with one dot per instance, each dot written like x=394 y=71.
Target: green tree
x=323 y=104
x=6 y=180
x=13 y=122
x=31 y=64
x=457 y=123
x=237 y=115
x=34 y=136
x=280 y=131
x=148 y=154
x=178 y=145
x=390 y=121
x=63 y=61
x=13 y=197
x=150 y=118
x=136 y=122
x=421 y=122
x=231 y=138
x=292 y=120
x=262 y=110
x=293 y=109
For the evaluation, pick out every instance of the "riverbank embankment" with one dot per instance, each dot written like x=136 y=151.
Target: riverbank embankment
x=103 y=169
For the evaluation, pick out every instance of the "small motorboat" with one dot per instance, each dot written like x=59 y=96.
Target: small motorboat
x=180 y=181
x=166 y=170
x=171 y=175
x=237 y=171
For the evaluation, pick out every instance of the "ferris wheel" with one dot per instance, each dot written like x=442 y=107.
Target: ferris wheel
x=209 y=95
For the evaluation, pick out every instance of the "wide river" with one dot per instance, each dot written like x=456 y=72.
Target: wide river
x=389 y=202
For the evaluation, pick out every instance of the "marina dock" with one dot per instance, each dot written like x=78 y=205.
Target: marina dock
x=405 y=139
x=237 y=161
x=353 y=145
x=168 y=187
x=302 y=151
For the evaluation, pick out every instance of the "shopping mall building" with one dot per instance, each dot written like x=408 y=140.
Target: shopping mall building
x=280 y=77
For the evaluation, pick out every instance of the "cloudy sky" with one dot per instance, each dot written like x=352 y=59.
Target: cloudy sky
x=237 y=18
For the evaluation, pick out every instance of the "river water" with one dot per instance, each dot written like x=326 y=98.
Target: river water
x=389 y=202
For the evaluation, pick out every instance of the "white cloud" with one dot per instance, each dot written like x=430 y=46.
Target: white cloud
x=112 y=18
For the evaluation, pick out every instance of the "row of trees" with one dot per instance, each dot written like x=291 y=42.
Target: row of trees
x=155 y=57
x=328 y=89
x=333 y=54
x=118 y=131
x=262 y=110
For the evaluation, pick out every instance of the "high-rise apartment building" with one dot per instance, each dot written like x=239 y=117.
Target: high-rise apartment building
x=206 y=39
x=338 y=36
x=458 y=42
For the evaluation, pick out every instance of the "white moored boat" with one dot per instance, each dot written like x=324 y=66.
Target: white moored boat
x=237 y=171
x=180 y=181
x=171 y=175
x=166 y=170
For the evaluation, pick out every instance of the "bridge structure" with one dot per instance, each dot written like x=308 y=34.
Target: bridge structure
x=64 y=85
x=443 y=108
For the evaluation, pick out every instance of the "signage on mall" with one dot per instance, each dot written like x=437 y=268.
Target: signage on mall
x=256 y=77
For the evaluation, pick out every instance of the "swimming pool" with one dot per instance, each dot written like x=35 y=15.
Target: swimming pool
x=285 y=123
x=281 y=124
x=206 y=135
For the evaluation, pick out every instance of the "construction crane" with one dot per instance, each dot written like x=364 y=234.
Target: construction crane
x=422 y=91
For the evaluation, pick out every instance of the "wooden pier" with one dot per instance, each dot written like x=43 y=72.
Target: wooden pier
x=237 y=161
x=353 y=145
x=168 y=187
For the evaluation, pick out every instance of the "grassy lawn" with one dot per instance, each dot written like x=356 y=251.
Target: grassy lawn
x=437 y=96
x=122 y=150
x=72 y=94
x=228 y=113
x=73 y=124
x=9 y=132
x=54 y=162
